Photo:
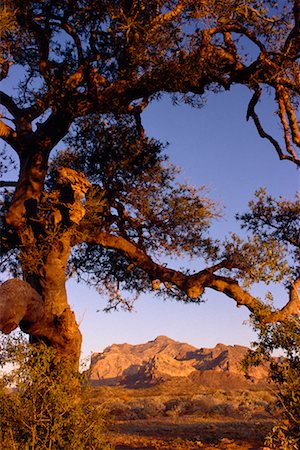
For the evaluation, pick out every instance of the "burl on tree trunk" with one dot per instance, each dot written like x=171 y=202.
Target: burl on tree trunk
x=21 y=306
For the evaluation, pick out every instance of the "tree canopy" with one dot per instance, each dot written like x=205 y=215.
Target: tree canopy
x=108 y=208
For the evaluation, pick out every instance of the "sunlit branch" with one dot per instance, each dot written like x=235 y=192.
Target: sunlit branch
x=293 y=123
x=229 y=28
x=170 y=15
x=7 y=133
x=282 y=115
x=293 y=305
x=251 y=113
x=291 y=85
x=258 y=14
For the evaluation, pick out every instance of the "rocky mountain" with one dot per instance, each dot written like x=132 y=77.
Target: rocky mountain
x=163 y=359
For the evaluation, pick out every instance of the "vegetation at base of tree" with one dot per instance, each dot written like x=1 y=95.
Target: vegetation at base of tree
x=43 y=403
x=285 y=376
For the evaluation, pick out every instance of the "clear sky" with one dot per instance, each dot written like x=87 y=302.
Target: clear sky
x=214 y=146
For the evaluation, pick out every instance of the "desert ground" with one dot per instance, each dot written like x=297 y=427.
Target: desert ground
x=173 y=416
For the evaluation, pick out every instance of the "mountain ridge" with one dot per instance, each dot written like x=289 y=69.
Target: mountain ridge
x=163 y=358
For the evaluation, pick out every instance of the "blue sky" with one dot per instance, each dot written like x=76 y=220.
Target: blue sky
x=214 y=146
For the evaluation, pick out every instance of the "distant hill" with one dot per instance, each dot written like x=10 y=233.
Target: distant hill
x=163 y=359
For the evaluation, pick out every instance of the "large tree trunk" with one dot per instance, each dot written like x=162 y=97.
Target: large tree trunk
x=59 y=328
x=39 y=305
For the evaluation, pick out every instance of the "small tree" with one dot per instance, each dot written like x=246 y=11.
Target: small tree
x=279 y=219
x=44 y=405
x=285 y=377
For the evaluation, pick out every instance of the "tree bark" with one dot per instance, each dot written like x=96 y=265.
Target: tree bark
x=39 y=305
x=33 y=169
x=59 y=328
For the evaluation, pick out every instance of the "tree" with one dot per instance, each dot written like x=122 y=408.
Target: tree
x=109 y=205
x=280 y=220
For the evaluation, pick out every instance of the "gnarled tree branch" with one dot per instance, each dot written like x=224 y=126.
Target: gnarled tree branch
x=195 y=284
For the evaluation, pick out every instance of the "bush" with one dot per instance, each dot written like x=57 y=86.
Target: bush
x=43 y=403
x=285 y=374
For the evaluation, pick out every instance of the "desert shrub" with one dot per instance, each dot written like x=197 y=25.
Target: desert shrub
x=177 y=407
x=153 y=407
x=285 y=375
x=175 y=411
x=223 y=409
x=117 y=407
x=43 y=403
x=206 y=405
x=145 y=408
x=140 y=408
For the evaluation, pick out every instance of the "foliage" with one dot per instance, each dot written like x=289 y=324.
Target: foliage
x=44 y=405
x=275 y=219
x=271 y=251
x=135 y=191
x=285 y=374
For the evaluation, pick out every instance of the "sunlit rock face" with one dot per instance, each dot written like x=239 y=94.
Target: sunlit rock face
x=164 y=359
